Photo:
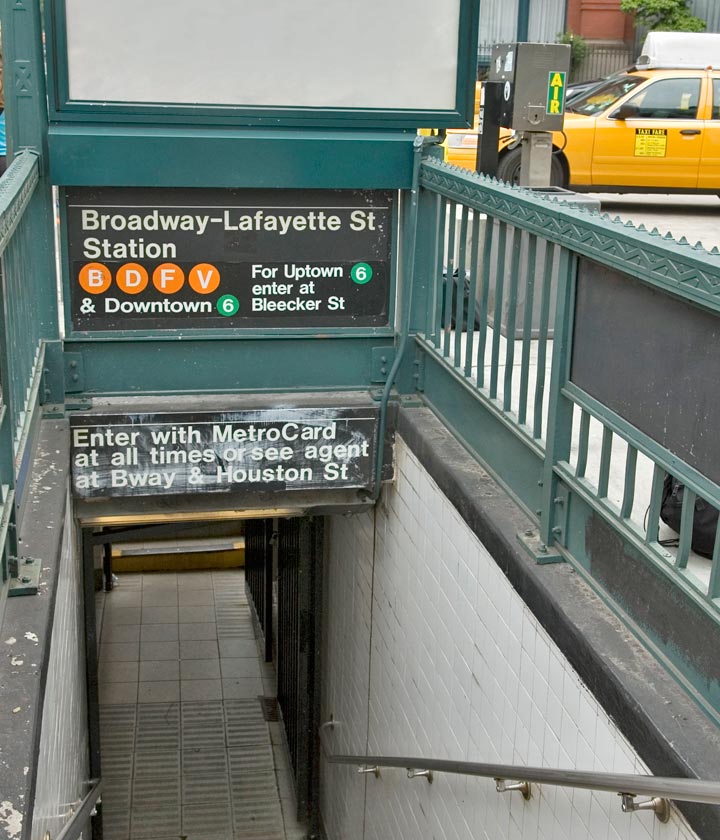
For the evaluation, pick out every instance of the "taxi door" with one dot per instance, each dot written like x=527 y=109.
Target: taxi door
x=709 y=177
x=654 y=139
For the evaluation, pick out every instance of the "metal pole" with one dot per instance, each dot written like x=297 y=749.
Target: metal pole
x=489 y=127
x=536 y=159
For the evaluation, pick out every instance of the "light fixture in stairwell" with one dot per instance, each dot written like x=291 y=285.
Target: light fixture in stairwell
x=98 y=519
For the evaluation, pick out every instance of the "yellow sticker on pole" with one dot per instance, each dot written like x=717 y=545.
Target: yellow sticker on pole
x=650 y=142
x=556 y=93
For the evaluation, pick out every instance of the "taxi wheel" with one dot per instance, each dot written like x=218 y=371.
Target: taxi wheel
x=509 y=169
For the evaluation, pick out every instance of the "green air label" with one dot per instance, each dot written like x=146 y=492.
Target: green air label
x=556 y=93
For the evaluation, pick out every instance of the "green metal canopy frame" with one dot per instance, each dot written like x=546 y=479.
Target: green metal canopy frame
x=65 y=109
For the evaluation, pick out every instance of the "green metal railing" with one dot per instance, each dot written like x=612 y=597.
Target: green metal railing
x=493 y=280
x=479 y=262
x=24 y=290
x=21 y=289
x=495 y=295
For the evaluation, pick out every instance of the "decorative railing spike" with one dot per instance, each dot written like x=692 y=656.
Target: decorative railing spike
x=656 y=256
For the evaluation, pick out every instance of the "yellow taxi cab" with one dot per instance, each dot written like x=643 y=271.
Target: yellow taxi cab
x=642 y=130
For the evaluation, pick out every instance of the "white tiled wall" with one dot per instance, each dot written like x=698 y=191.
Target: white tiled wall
x=451 y=664
x=62 y=770
x=346 y=640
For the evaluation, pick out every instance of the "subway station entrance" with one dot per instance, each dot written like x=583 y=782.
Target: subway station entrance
x=205 y=683
x=229 y=260
x=203 y=532
x=243 y=299
x=218 y=253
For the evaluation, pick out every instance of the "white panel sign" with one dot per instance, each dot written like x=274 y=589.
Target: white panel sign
x=394 y=54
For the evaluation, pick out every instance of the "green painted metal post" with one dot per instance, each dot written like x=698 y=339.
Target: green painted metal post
x=426 y=262
x=523 y=20
x=427 y=280
x=560 y=414
x=27 y=128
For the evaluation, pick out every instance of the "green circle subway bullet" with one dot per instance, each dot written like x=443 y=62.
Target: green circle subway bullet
x=361 y=273
x=228 y=305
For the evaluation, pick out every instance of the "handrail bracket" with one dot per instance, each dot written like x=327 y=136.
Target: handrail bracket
x=420 y=774
x=658 y=804
x=502 y=786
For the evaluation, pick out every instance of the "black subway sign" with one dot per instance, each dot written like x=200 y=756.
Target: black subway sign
x=267 y=449
x=171 y=259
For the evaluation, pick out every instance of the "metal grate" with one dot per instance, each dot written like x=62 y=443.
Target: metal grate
x=269 y=706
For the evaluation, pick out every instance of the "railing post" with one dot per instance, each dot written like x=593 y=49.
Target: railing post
x=426 y=260
x=27 y=128
x=560 y=411
x=24 y=79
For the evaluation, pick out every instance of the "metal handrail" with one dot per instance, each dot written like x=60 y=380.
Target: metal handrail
x=685 y=790
x=74 y=827
x=16 y=189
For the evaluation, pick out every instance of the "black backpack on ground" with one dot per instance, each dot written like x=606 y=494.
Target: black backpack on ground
x=705 y=519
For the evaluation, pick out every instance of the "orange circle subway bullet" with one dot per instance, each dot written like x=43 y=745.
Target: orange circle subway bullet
x=204 y=278
x=95 y=278
x=131 y=278
x=168 y=278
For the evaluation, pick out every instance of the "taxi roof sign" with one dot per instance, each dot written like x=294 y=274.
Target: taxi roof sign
x=680 y=50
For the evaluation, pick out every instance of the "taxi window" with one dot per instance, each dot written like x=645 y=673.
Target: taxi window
x=668 y=99
x=716 y=99
x=599 y=98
